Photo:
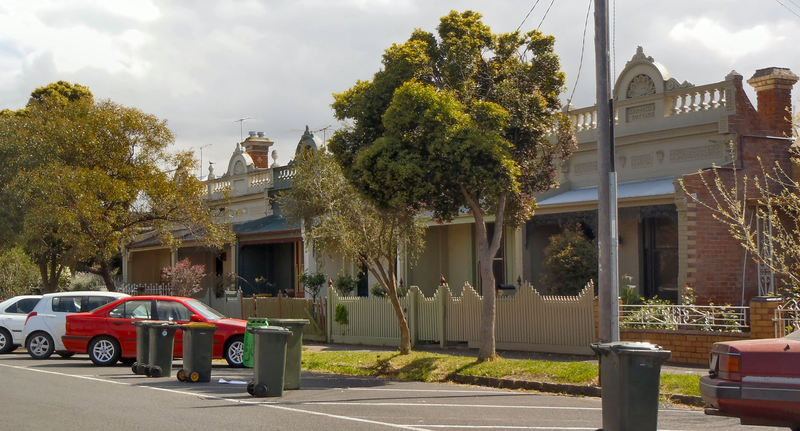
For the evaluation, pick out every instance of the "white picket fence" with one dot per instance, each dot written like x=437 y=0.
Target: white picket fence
x=525 y=321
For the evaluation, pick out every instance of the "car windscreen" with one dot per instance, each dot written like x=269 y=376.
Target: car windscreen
x=204 y=310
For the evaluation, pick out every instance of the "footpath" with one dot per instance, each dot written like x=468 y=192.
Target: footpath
x=561 y=388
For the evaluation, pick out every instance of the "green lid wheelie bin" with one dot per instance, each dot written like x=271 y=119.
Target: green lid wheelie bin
x=198 y=344
x=162 y=341
x=294 y=350
x=247 y=348
x=142 y=346
x=629 y=378
x=269 y=360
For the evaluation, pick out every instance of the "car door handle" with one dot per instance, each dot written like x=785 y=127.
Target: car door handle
x=117 y=323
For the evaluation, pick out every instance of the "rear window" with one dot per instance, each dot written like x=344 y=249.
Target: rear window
x=23 y=306
x=76 y=304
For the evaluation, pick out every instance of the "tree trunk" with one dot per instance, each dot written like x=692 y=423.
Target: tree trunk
x=402 y=322
x=105 y=272
x=487 y=350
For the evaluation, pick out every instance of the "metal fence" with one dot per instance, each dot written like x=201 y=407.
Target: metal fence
x=144 y=288
x=699 y=317
x=787 y=318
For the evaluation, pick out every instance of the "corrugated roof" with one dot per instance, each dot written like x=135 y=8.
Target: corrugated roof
x=635 y=189
x=265 y=224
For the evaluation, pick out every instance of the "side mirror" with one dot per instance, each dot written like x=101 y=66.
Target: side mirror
x=196 y=318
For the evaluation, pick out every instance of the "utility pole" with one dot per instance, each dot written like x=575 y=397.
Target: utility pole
x=608 y=271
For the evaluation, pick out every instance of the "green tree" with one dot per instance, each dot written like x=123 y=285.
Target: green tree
x=570 y=262
x=84 y=177
x=338 y=220
x=18 y=274
x=461 y=119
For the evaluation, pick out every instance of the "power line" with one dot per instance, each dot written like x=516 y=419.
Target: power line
x=545 y=14
x=788 y=8
x=794 y=3
x=527 y=15
x=583 y=47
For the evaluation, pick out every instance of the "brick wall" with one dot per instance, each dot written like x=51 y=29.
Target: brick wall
x=692 y=346
x=687 y=347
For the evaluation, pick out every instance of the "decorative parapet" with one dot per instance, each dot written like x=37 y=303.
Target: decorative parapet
x=678 y=101
x=249 y=183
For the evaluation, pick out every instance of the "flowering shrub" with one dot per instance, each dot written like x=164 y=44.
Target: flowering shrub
x=184 y=278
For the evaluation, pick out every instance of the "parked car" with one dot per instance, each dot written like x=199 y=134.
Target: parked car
x=44 y=326
x=108 y=334
x=757 y=381
x=13 y=312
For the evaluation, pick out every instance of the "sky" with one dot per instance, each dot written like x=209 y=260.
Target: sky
x=203 y=64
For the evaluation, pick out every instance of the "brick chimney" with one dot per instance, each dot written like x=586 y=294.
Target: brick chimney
x=773 y=87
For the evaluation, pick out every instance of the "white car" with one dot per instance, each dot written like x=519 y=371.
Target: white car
x=45 y=325
x=13 y=312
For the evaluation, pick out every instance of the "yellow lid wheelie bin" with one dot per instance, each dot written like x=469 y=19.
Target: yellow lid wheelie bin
x=198 y=344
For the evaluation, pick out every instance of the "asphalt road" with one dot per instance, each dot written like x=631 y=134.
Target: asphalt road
x=72 y=394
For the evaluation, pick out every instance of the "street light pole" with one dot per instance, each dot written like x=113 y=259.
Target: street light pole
x=608 y=273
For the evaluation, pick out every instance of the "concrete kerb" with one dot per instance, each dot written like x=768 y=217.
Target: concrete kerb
x=559 y=388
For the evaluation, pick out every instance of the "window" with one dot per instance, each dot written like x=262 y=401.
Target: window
x=92 y=302
x=23 y=306
x=134 y=309
x=172 y=311
x=66 y=304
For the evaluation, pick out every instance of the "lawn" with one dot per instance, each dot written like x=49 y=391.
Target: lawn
x=437 y=367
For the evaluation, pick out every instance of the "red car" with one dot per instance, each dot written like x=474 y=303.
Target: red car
x=757 y=381
x=107 y=334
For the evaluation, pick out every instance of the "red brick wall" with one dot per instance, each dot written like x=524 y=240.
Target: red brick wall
x=716 y=261
x=693 y=347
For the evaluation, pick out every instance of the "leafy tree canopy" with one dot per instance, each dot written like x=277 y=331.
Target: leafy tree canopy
x=460 y=119
x=84 y=177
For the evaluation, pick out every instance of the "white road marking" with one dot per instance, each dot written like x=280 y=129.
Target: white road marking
x=516 y=427
x=211 y=397
x=455 y=391
x=471 y=406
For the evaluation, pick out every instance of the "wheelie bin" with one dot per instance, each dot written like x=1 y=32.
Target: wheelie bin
x=294 y=350
x=269 y=360
x=162 y=340
x=142 y=346
x=247 y=348
x=198 y=342
x=629 y=377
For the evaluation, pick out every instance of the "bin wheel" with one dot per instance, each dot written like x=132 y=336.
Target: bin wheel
x=135 y=368
x=155 y=371
x=194 y=377
x=260 y=390
x=250 y=385
x=181 y=375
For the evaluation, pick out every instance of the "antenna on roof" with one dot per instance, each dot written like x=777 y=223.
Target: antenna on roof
x=241 y=122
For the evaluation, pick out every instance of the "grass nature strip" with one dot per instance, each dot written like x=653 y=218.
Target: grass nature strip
x=437 y=367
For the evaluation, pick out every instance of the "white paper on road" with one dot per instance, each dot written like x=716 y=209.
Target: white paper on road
x=232 y=382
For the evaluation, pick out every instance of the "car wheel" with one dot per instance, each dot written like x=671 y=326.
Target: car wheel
x=6 y=343
x=104 y=351
x=40 y=345
x=66 y=355
x=234 y=351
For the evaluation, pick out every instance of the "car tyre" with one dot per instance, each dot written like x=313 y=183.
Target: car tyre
x=234 y=351
x=104 y=351
x=40 y=345
x=6 y=342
